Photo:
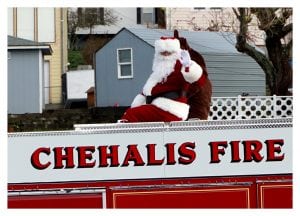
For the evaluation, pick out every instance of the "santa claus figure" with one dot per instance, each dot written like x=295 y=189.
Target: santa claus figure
x=163 y=97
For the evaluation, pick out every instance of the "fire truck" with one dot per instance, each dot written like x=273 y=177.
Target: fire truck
x=236 y=163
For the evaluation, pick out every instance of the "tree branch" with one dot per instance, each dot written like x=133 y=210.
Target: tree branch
x=275 y=65
x=259 y=57
x=286 y=29
x=244 y=47
x=236 y=13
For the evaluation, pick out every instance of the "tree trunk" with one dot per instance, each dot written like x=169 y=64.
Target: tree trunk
x=275 y=65
x=280 y=61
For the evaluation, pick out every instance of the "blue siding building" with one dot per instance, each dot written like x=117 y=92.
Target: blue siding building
x=25 y=75
x=125 y=62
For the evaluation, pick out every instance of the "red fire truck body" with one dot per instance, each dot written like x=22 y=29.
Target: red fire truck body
x=193 y=164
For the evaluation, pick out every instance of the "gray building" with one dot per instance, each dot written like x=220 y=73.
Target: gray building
x=25 y=75
x=125 y=62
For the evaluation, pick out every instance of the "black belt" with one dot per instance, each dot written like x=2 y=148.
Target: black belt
x=170 y=95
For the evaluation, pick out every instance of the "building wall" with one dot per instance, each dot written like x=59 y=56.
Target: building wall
x=24 y=80
x=58 y=60
x=201 y=19
x=126 y=17
x=233 y=75
x=112 y=91
x=30 y=28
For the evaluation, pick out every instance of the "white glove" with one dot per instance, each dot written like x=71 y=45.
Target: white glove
x=185 y=58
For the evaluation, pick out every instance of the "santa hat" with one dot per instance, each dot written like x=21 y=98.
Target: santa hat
x=169 y=44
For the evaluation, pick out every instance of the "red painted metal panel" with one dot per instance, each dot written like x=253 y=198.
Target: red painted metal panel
x=56 y=201
x=183 y=198
x=275 y=195
x=265 y=191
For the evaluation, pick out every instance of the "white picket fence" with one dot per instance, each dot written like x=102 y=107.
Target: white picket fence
x=251 y=107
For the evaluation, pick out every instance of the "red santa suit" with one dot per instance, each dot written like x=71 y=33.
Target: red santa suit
x=162 y=98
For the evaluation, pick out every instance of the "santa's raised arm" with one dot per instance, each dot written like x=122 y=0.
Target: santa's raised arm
x=163 y=95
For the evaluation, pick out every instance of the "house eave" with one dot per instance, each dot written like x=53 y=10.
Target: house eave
x=45 y=49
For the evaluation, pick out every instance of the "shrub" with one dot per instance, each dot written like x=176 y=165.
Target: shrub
x=75 y=58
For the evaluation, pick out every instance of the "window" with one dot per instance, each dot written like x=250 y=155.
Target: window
x=8 y=55
x=46 y=26
x=216 y=8
x=199 y=8
x=124 y=63
x=89 y=16
x=25 y=23
x=146 y=16
x=138 y=16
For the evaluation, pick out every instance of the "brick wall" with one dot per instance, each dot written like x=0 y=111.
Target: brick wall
x=63 y=119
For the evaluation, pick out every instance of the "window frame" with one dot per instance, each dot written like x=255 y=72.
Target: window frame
x=120 y=76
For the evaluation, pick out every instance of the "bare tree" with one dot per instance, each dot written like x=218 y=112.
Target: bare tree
x=92 y=44
x=277 y=25
x=72 y=26
x=89 y=17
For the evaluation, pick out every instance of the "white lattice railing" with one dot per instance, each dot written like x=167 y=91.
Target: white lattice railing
x=251 y=107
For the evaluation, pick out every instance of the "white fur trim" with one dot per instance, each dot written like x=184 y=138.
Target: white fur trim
x=170 y=45
x=151 y=82
x=194 y=74
x=138 y=101
x=176 y=108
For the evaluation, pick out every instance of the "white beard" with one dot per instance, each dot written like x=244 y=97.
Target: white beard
x=162 y=67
